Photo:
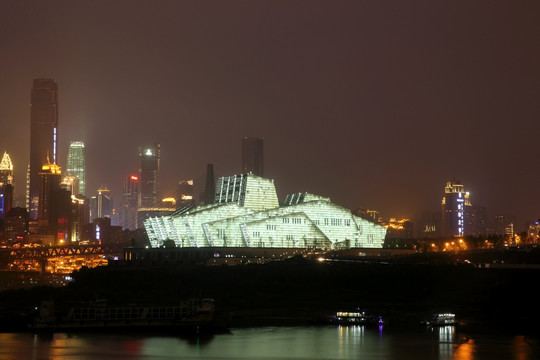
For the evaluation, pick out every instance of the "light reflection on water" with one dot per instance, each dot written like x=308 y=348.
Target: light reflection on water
x=325 y=342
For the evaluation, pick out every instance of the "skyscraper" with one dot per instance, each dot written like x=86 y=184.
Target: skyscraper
x=252 y=156
x=43 y=134
x=130 y=198
x=149 y=176
x=6 y=185
x=76 y=165
x=454 y=201
x=6 y=169
x=54 y=205
x=101 y=205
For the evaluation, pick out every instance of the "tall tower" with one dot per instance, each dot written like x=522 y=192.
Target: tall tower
x=130 y=198
x=101 y=204
x=149 y=176
x=76 y=165
x=6 y=185
x=6 y=169
x=43 y=135
x=50 y=177
x=454 y=203
x=252 y=156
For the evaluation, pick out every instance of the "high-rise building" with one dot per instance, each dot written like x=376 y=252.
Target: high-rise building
x=54 y=211
x=43 y=135
x=454 y=201
x=130 y=198
x=252 y=156
x=149 y=176
x=70 y=183
x=80 y=213
x=185 y=194
x=50 y=176
x=6 y=185
x=101 y=205
x=6 y=169
x=76 y=165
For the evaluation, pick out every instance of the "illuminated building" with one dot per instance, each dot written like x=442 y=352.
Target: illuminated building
x=43 y=135
x=533 y=234
x=70 y=183
x=6 y=185
x=371 y=215
x=80 y=217
x=459 y=216
x=6 y=199
x=246 y=213
x=169 y=202
x=130 y=198
x=399 y=229
x=101 y=205
x=106 y=234
x=453 y=209
x=54 y=209
x=185 y=194
x=6 y=169
x=252 y=156
x=149 y=176
x=76 y=165
x=16 y=224
x=50 y=183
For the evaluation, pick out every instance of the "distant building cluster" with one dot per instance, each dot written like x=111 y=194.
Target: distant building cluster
x=236 y=211
x=246 y=213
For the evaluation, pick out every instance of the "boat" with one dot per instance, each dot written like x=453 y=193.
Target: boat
x=193 y=315
x=443 y=319
x=355 y=318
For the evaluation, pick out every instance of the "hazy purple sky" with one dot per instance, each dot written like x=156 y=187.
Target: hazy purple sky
x=375 y=104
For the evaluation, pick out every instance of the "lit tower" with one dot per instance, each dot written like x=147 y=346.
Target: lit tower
x=101 y=204
x=130 y=199
x=252 y=156
x=76 y=165
x=6 y=169
x=43 y=134
x=6 y=185
x=454 y=203
x=50 y=177
x=149 y=176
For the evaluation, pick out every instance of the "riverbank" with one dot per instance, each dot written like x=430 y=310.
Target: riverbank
x=301 y=291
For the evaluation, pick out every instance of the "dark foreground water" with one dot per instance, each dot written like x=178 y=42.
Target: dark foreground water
x=325 y=342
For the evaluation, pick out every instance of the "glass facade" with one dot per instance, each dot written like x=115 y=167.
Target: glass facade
x=246 y=213
x=76 y=165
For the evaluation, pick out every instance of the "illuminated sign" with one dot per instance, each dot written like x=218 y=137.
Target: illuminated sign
x=149 y=152
x=134 y=178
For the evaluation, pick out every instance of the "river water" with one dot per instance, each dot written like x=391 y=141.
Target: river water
x=322 y=342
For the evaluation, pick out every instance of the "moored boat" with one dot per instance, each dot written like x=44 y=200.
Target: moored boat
x=193 y=315
x=443 y=319
x=355 y=318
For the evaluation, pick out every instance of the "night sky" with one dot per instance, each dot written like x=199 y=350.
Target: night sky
x=375 y=104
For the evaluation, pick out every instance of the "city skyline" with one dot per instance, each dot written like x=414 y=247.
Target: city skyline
x=372 y=106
